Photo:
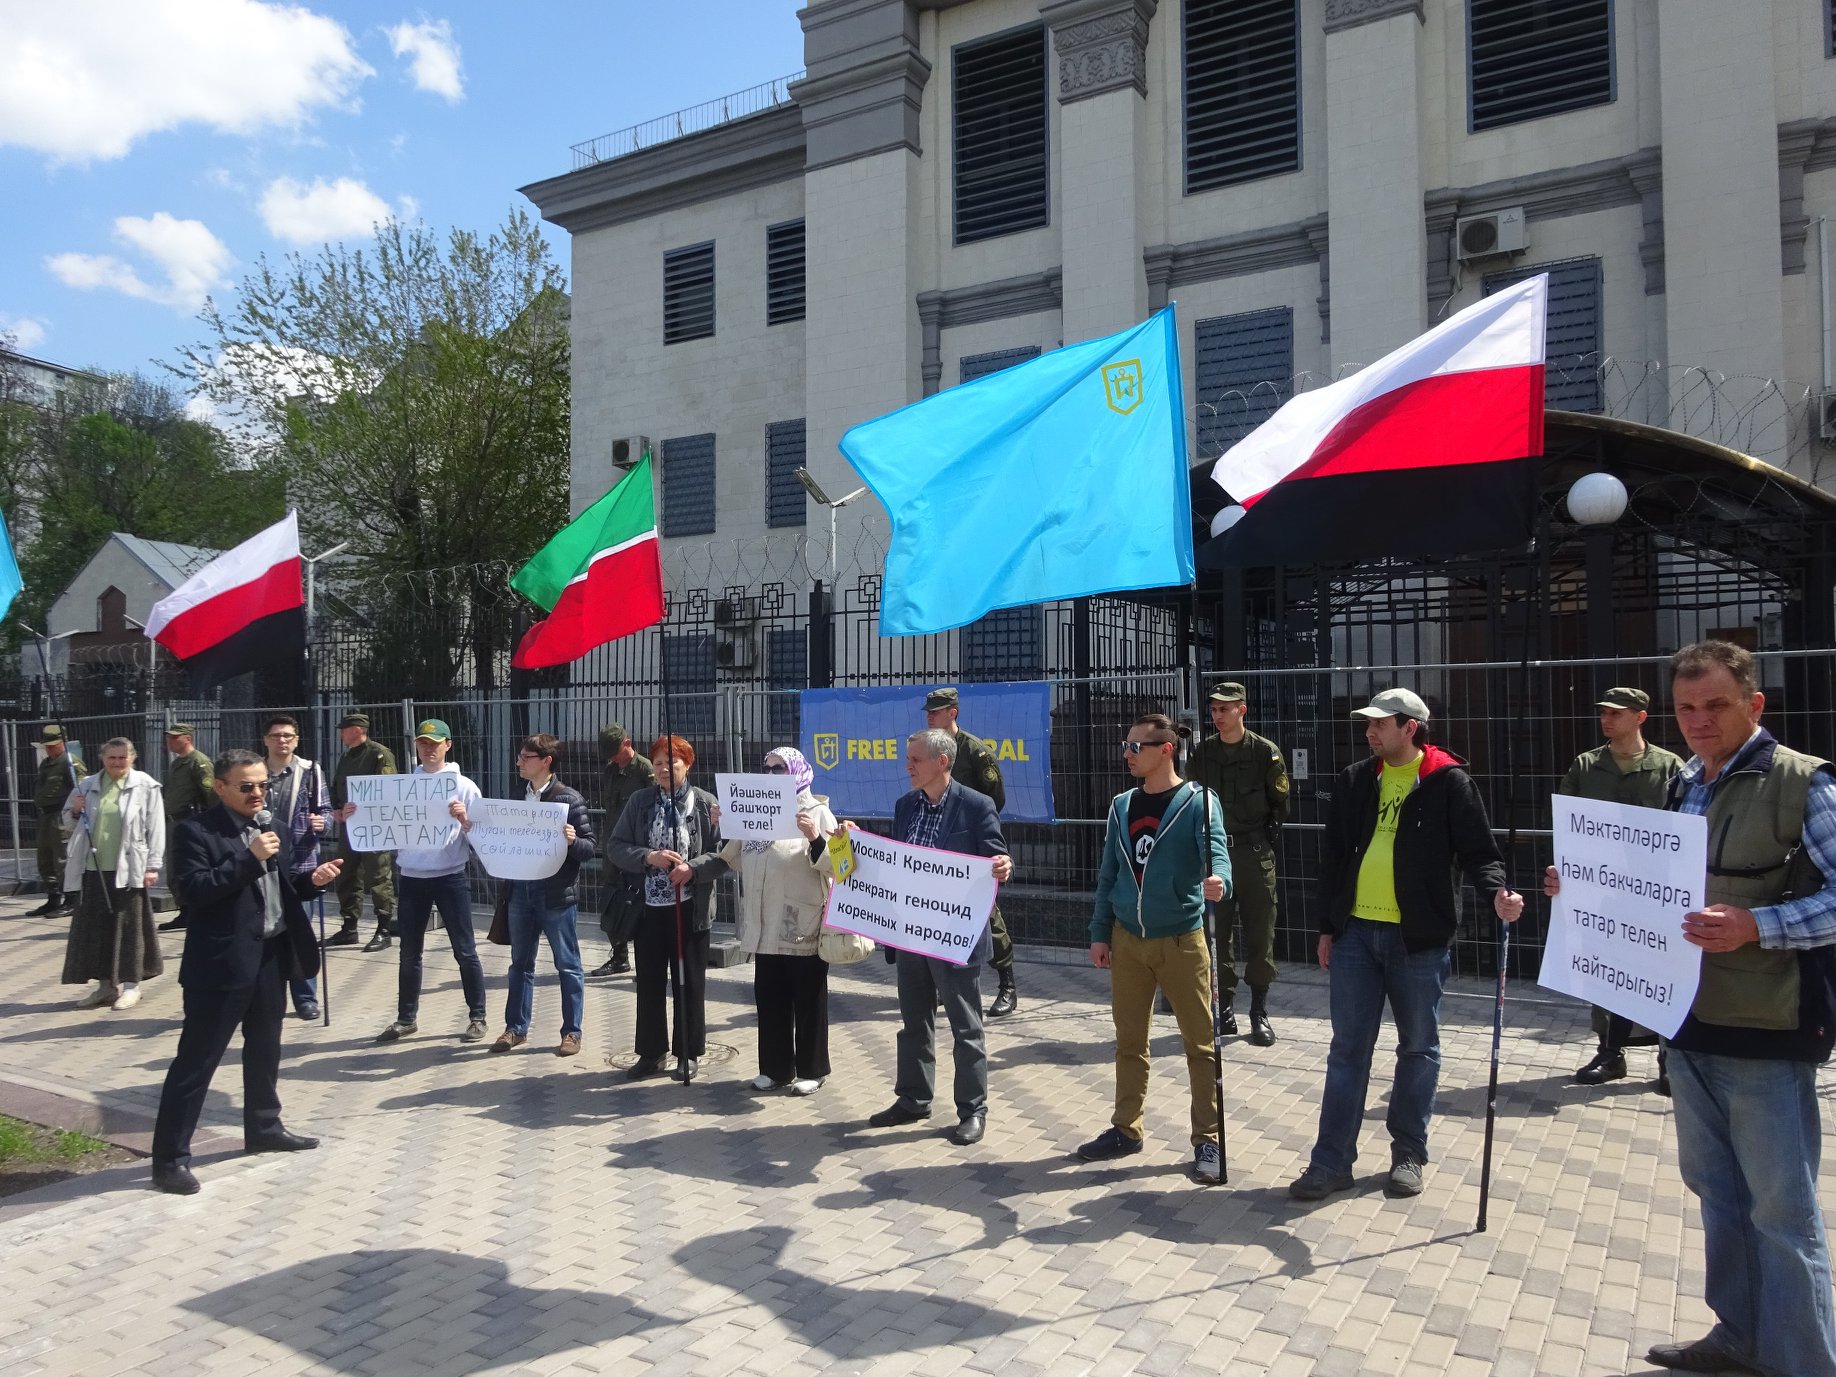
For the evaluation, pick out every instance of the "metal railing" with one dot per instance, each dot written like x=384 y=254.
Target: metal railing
x=710 y=114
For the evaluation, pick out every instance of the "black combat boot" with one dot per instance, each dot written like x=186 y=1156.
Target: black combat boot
x=1261 y=1033
x=1007 y=998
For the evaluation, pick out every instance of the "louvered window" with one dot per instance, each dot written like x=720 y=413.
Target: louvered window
x=1243 y=370
x=1242 y=76
x=1530 y=58
x=975 y=366
x=1007 y=644
x=688 y=709
x=688 y=485
x=784 y=272
x=688 y=293
x=1000 y=134
x=785 y=500
x=787 y=670
x=1571 y=331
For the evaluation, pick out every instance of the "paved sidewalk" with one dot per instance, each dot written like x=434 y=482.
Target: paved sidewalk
x=475 y=1213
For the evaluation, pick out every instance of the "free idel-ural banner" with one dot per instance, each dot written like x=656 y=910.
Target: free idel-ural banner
x=854 y=738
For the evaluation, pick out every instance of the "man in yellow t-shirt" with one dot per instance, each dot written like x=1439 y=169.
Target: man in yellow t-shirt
x=1399 y=824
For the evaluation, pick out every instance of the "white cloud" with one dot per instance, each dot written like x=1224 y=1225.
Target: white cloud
x=85 y=79
x=325 y=210
x=190 y=259
x=433 y=56
x=27 y=332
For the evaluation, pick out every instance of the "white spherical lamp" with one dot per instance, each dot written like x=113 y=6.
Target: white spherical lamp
x=1225 y=519
x=1597 y=499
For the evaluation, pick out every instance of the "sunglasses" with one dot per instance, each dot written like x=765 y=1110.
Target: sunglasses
x=1137 y=747
x=771 y=769
x=252 y=787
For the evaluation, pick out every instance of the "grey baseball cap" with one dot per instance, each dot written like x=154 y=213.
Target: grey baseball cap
x=1395 y=702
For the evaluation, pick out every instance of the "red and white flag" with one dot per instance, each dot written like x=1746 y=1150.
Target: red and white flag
x=244 y=610
x=1425 y=452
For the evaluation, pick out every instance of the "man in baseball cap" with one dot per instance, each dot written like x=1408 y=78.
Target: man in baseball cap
x=1398 y=825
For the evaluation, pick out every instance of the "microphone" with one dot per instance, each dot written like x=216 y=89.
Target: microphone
x=264 y=822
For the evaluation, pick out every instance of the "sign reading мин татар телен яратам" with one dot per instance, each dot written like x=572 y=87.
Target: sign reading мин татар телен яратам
x=1616 y=928
x=402 y=812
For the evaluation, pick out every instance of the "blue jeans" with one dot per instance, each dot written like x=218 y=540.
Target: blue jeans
x=416 y=899
x=1749 y=1140
x=531 y=918
x=304 y=992
x=1369 y=965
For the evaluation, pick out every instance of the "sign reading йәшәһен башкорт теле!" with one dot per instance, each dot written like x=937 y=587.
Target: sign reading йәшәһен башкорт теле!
x=518 y=839
x=757 y=807
x=1616 y=928
x=935 y=903
x=402 y=812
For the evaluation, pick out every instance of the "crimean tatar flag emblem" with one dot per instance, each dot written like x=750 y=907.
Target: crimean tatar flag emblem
x=1122 y=385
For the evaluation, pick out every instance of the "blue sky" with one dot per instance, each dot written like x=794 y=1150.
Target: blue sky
x=153 y=150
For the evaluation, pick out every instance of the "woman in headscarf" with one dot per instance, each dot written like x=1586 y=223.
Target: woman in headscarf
x=115 y=851
x=668 y=834
x=782 y=894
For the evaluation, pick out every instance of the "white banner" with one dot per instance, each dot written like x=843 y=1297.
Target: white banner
x=757 y=807
x=402 y=812
x=935 y=903
x=518 y=839
x=1616 y=929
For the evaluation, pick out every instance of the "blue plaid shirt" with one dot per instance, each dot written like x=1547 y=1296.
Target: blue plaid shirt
x=925 y=822
x=1797 y=923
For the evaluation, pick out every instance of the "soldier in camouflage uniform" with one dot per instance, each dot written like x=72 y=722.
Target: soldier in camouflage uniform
x=1248 y=775
x=976 y=769
x=624 y=773
x=370 y=871
x=58 y=774
x=187 y=790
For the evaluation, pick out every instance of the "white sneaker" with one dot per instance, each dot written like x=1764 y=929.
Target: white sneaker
x=764 y=1083
x=96 y=998
x=803 y=1087
x=128 y=998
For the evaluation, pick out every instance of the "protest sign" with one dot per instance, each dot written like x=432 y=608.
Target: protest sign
x=757 y=807
x=402 y=812
x=935 y=903
x=1616 y=929
x=854 y=738
x=517 y=839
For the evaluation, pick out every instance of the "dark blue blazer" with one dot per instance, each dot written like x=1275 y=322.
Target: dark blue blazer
x=970 y=825
x=215 y=876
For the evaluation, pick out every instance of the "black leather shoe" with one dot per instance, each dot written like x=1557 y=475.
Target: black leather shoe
x=280 y=1141
x=60 y=903
x=1663 y=1076
x=1227 y=1021
x=1701 y=1356
x=310 y=1013
x=609 y=968
x=644 y=1067
x=686 y=1067
x=344 y=937
x=174 y=924
x=49 y=907
x=174 y=1179
x=1606 y=1066
x=380 y=942
x=1006 y=1000
x=899 y=1112
x=1261 y=1033
x=969 y=1130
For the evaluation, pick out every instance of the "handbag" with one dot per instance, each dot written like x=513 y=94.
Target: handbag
x=499 y=934
x=840 y=948
x=624 y=906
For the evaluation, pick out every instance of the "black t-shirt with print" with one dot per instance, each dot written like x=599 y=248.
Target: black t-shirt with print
x=1145 y=811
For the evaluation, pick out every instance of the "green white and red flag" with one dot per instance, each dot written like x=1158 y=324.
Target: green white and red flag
x=599 y=579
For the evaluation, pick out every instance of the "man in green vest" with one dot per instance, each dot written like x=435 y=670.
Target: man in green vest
x=364 y=871
x=1743 y=1066
x=977 y=769
x=625 y=772
x=1247 y=774
x=188 y=789
x=58 y=773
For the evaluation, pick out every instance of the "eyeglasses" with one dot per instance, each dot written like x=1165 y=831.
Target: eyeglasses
x=250 y=786
x=1137 y=747
x=529 y=755
x=283 y=736
x=771 y=769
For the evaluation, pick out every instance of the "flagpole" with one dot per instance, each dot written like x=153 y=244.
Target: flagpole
x=1211 y=925
x=678 y=969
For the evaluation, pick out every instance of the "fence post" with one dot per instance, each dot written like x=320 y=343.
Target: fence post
x=822 y=636
x=12 y=796
x=408 y=725
x=736 y=730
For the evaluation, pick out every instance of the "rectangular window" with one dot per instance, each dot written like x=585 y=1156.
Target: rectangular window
x=999 y=127
x=688 y=485
x=688 y=708
x=688 y=293
x=1531 y=58
x=1007 y=644
x=786 y=504
x=1242 y=96
x=1243 y=369
x=1571 y=331
x=975 y=366
x=784 y=272
x=787 y=670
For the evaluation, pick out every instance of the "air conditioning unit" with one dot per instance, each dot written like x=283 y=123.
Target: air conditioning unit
x=1488 y=236
x=627 y=452
x=734 y=651
x=736 y=612
x=1826 y=416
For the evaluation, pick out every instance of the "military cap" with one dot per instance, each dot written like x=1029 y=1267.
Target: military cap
x=1636 y=699
x=433 y=729
x=612 y=736
x=941 y=698
x=51 y=733
x=355 y=719
x=181 y=729
x=1230 y=691
x=1396 y=702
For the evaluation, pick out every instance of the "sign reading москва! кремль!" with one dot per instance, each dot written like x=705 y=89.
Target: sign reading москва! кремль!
x=1616 y=928
x=935 y=903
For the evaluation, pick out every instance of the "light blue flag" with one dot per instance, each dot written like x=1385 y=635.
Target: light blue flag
x=10 y=582
x=1058 y=478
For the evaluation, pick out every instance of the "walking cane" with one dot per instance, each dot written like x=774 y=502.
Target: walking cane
x=1504 y=957
x=324 y=968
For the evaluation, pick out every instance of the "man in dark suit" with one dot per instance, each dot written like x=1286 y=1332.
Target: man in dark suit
x=248 y=936
x=943 y=814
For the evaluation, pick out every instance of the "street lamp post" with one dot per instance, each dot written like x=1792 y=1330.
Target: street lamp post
x=822 y=603
x=1596 y=501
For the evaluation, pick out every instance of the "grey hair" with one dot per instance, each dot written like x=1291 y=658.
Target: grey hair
x=938 y=743
x=117 y=743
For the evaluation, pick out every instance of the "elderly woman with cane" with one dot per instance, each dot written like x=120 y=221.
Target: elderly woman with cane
x=669 y=834
x=115 y=852
x=782 y=895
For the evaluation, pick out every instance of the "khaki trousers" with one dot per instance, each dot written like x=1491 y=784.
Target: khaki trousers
x=1182 y=967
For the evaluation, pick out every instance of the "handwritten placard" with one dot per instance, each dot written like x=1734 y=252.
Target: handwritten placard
x=517 y=839
x=402 y=812
x=757 y=807
x=922 y=900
